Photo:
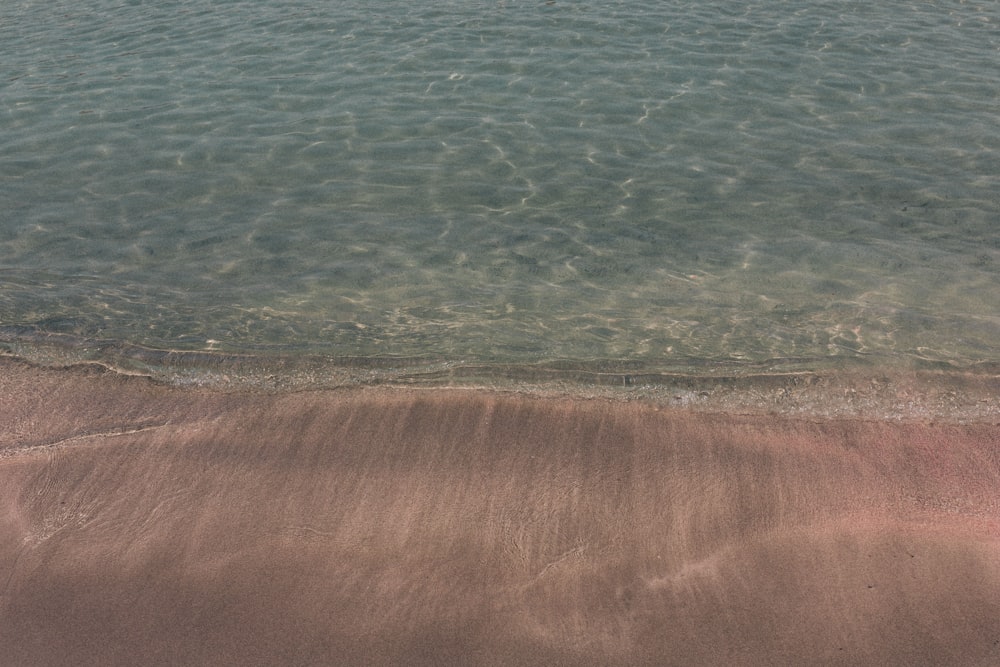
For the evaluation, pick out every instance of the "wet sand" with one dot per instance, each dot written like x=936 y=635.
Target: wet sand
x=147 y=524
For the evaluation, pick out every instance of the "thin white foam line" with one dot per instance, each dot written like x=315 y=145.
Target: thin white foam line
x=65 y=442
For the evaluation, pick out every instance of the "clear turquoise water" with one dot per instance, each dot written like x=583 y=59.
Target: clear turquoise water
x=661 y=184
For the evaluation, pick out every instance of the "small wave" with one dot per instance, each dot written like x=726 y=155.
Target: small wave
x=791 y=386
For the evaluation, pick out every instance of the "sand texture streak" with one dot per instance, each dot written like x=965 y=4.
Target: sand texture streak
x=142 y=524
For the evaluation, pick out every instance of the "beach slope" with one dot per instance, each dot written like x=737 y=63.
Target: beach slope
x=155 y=525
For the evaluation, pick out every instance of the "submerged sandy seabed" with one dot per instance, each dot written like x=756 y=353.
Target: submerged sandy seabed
x=147 y=524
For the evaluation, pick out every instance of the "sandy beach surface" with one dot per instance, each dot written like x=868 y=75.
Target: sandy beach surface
x=144 y=524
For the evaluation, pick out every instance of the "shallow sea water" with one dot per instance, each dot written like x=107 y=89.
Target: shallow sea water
x=652 y=186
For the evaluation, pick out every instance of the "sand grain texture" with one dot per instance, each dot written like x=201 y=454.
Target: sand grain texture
x=143 y=524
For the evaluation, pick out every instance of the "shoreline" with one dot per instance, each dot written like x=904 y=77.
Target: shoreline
x=156 y=524
x=849 y=388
